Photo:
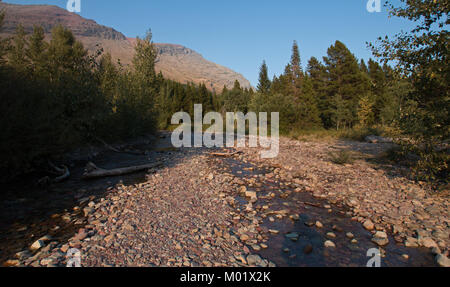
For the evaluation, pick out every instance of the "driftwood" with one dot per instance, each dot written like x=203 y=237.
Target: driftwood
x=92 y=171
x=312 y=204
x=65 y=175
x=110 y=147
x=219 y=154
x=62 y=174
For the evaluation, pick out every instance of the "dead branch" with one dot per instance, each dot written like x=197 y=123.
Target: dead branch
x=92 y=171
x=219 y=154
x=63 y=174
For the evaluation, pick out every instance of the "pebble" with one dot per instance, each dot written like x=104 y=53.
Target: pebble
x=319 y=224
x=331 y=235
x=329 y=244
x=380 y=238
x=38 y=244
x=308 y=249
x=368 y=225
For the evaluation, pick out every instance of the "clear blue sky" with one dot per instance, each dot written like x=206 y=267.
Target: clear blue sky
x=240 y=34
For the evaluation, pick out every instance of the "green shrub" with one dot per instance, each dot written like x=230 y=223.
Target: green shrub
x=341 y=157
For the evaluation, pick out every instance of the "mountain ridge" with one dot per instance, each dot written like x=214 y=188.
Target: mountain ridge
x=175 y=61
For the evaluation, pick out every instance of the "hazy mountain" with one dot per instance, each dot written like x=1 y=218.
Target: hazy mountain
x=175 y=61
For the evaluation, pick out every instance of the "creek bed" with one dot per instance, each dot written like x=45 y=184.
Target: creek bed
x=309 y=249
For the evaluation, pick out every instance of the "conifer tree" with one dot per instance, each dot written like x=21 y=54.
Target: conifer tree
x=3 y=42
x=264 y=81
x=17 y=52
x=36 y=51
x=346 y=82
x=318 y=77
x=294 y=72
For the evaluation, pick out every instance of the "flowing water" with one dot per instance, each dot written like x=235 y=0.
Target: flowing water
x=309 y=249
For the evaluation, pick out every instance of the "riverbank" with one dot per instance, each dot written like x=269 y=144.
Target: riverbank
x=299 y=209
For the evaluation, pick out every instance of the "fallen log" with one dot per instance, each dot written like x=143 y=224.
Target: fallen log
x=220 y=154
x=92 y=171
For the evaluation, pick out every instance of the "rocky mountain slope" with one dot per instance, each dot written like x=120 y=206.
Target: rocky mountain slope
x=175 y=61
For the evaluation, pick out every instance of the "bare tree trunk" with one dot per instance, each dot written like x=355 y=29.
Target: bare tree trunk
x=92 y=171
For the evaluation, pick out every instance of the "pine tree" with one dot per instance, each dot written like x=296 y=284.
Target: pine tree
x=17 y=52
x=378 y=85
x=264 y=81
x=318 y=77
x=365 y=111
x=3 y=42
x=308 y=115
x=36 y=49
x=294 y=72
x=363 y=67
x=346 y=82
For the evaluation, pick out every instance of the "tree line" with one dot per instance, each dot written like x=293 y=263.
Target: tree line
x=338 y=93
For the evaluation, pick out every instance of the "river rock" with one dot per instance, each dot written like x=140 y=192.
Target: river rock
x=411 y=242
x=380 y=238
x=427 y=242
x=292 y=236
x=254 y=260
x=329 y=244
x=308 y=249
x=442 y=260
x=368 y=225
x=38 y=244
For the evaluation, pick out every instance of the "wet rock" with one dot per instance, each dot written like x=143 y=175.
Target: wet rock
x=329 y=244
x=319 y=224
x=380 y=238
x=427 y=242
x=442 y=260
x=254 y=260
x=337 y=228
x=251 y=194
x=88 y=210
x=295 y=217
x=292 y=236
x=308 y=249
x=244 y=237
x=38 y=244
x=23 y=255
x=411 y=242
x=241 y=258
x=11 y=263
x=256 y=247
x=368 y=225
x=331 y=235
